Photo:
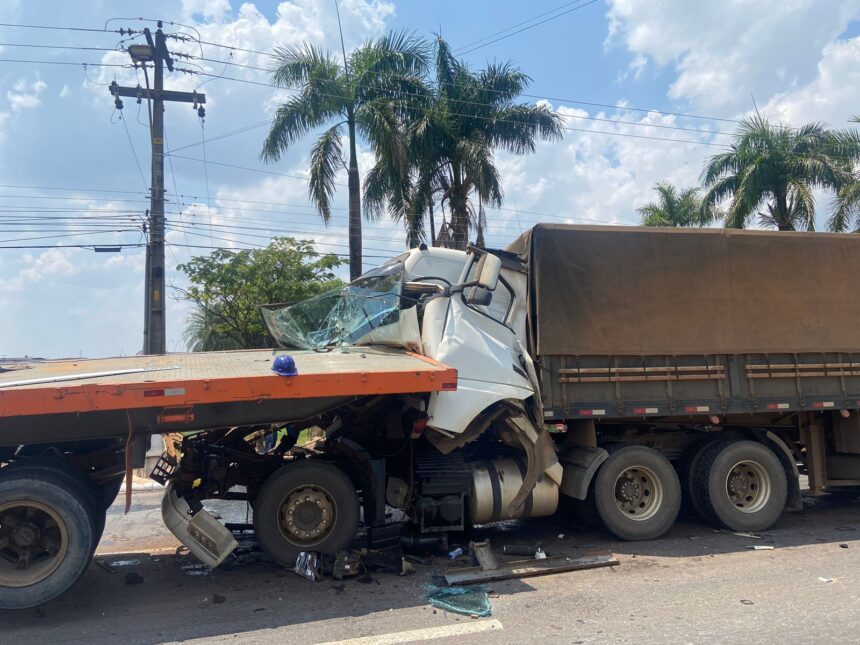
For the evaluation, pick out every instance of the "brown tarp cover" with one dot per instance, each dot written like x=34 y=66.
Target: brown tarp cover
x=615 y=290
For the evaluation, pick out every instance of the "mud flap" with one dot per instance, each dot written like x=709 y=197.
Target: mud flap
x=540 y=456
x=208 y=539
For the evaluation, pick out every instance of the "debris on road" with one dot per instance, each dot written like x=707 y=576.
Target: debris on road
x=346 y=565
x=218 y=599
x=747 y=602
x=483 y=554
x=459 y=600
x=761 y=547
x=523 y=549
x=124 y=563
x=133 y=578
x=196 y=570
x=843 y=546
x=823 y=579
x=739 y=534
x=407 y=567
x=308 y=565
x=528 y=568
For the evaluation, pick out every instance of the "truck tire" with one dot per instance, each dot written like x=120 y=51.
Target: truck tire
x=637 y=493
x=47 y=536
x=742 y=485
x=305 y=506
x=691 y=498
x=77 y=481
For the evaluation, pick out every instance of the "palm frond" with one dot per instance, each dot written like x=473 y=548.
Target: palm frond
x=325 y=162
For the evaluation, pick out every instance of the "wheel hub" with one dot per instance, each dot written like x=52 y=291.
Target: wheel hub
x=638 y=493
x=33 y=543
x=26 y=534
x=748 y=486
x=307 y=515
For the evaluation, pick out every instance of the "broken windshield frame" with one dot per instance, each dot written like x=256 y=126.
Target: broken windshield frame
x=342 y=316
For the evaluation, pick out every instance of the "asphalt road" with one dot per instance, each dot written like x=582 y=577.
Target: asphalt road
x=693 y=586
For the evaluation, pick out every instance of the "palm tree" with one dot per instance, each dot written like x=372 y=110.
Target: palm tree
x=674 y=208
x=450 y=143
x=846 y=212
x=771 y=170
x=360 y=94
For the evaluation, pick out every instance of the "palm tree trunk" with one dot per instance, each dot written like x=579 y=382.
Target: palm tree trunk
x=432 y=226
x=783 y=217
x=354 y=203
x=459 y=212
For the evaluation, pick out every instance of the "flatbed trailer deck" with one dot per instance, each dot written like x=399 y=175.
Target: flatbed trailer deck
x=98 y=398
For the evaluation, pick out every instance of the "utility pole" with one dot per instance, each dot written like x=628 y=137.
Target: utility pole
x=155 y=52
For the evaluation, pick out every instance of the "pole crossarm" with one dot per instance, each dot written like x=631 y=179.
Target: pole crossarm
x=165 y=95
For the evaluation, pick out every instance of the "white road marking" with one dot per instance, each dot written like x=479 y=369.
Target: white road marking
x=426 y=634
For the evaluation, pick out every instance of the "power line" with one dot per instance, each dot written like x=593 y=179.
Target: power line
x=72 y=47
x=582 y=6
x=58 y=62
x=133 y=153
x=496 y=33
x=60 y=28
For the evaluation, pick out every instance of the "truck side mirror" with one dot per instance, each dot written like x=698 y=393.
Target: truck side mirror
x=488 y=270
x=478 y=296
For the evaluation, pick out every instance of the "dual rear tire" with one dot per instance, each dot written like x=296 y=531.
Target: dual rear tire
x=636 y=494
x=738 y=485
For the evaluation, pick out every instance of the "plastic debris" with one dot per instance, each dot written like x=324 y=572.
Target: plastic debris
x=308 y=565
x=823 y=579
x=540 y=554
x=561 y=536
x=761 y=547
x=456 y=553
x=125 y=563
x=461 y=600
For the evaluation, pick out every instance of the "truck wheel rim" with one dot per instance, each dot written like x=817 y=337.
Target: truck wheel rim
x=748 y=486
x=34 y=541
x=638 y=493
x=307 y=515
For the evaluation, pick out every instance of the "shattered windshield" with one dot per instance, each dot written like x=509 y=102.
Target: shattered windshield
x=339 y=317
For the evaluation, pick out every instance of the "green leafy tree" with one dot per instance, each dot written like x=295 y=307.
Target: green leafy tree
x=676 y=208
x=360 y=95
x=771 y=170
x=227 y=288
x=450 y=144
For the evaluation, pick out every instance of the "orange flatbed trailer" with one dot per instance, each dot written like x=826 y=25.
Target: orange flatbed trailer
x=73 y=400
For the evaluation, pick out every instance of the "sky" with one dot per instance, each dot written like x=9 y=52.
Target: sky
x=648 y=91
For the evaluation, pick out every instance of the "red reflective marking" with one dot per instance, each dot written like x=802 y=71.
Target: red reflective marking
x=149 y=393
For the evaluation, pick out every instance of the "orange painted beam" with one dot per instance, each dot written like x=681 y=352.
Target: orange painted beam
x=65 y=398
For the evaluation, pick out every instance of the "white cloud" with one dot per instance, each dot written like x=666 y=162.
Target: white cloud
x=724 y=52
x=49 y=264
x=832 y=96
x=65 y=92
x=24 y=95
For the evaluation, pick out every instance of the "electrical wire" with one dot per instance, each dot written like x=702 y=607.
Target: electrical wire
x=518 y=31
x=133 y=152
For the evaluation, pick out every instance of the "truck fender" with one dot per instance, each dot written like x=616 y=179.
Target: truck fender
x=789 y=464
x=580 y=463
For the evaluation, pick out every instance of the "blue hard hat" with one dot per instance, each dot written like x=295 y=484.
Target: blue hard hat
x=285 y=365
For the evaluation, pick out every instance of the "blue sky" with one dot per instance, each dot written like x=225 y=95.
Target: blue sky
x=64 y=152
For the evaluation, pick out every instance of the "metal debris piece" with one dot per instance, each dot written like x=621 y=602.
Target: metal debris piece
x=308 y=565
x=528 y=568
x=484 y=555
